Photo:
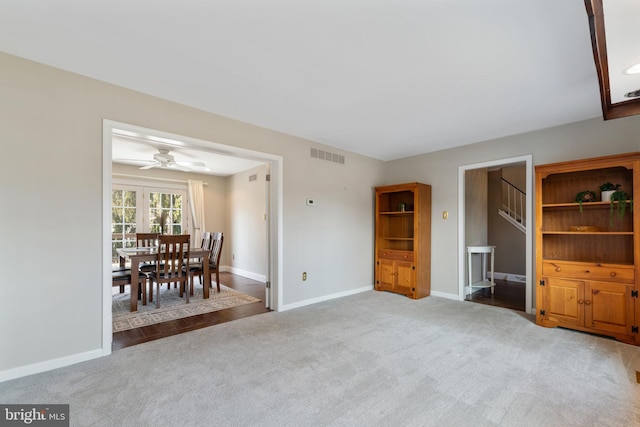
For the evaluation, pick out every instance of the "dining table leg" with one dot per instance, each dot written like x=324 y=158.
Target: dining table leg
x=134 y=283
x=206 y=273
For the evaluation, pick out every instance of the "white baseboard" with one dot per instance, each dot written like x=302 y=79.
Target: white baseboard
x=249 y=275
x=48 y=365
x=325 y=298
x=445 y=295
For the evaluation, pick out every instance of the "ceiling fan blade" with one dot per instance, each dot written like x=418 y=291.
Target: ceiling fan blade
x=193 y=164
x=149 y=167
x=134 y=160
x=177 y=165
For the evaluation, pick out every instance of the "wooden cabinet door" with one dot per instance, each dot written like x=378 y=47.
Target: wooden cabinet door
x=405 y=277
x=608 y=307
x=385 y=276
x=396 y=276
x=564 y=301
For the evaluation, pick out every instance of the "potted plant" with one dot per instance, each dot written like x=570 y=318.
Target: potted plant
x=622 y=199
x=585 y=196
x=607 y=189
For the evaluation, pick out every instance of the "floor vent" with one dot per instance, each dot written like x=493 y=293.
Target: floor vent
x=325 y=155
x=253 y=177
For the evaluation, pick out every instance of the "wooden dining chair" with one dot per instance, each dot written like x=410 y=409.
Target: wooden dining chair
x=146 y=240
x=204 y=244
x=172 y=264
x=122 y=277
x=206 y=236
x=215 y=250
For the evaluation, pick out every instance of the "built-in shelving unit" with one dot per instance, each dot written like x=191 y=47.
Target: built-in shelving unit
x=587 y=254
x=403 y=239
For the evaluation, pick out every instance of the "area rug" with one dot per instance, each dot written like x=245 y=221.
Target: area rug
x=173 y=307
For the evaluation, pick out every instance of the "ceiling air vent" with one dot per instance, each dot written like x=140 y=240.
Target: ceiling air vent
x=325 y=155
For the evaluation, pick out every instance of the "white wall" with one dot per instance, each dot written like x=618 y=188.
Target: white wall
x=476 y=191
x=245 y=239
x=51 y=251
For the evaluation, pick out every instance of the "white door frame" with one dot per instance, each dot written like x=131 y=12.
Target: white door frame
x=275 y=250
x=462 y=256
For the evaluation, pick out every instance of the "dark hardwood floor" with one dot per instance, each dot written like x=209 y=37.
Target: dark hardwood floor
x=506 y=295
x=153 y=332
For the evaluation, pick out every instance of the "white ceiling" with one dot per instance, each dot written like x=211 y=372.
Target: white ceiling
x=138 y=148
x=623 y=50
x=383 y=78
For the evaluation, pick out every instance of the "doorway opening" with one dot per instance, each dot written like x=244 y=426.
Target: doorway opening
x=272 y=227
x=480 y=224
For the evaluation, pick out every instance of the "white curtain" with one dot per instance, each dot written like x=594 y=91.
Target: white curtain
x=196 y=201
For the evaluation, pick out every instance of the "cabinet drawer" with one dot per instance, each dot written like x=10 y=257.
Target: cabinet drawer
x=396 y=255
x=586 y=271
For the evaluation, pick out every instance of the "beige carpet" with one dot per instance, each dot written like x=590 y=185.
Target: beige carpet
x=173 y=307
x=372 y=359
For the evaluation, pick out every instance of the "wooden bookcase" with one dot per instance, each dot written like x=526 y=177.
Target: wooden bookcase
x=403 y=239
x=587 y=258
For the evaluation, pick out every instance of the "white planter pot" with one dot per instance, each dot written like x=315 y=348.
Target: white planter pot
x=606 y=195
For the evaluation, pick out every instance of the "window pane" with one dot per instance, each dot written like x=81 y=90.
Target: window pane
x=130 y=198
x=116 y=198
x=153 y=200
x=154 y=216
x=165 y=211
x=130 y=215
x=166 y=200
x=123 y=220
x=116 y=215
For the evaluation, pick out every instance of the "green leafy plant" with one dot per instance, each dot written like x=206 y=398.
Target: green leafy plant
x=585 y=196
x=607 y=186
x=622 y=199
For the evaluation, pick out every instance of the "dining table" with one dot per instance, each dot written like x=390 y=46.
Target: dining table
x=139 y=255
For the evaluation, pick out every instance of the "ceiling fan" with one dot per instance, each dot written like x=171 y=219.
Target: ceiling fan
x=162 y=159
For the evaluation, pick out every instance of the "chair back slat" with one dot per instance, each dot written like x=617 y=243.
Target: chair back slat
x=206 y=240
x=146 y=240
x=217 y=238
x=173 y=255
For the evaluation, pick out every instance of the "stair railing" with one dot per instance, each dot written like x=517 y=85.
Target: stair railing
x=514 y=203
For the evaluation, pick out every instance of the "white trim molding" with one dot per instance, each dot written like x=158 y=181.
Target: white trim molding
x=462 y=258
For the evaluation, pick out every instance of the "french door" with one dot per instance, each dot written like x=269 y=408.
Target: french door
x=139 y=209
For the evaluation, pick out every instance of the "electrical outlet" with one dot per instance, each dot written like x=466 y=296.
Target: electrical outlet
x=304 y=276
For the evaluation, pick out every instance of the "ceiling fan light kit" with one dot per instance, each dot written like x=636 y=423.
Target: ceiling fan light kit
x=634 y=69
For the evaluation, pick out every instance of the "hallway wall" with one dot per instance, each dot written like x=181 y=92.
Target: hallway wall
x=508 y=240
